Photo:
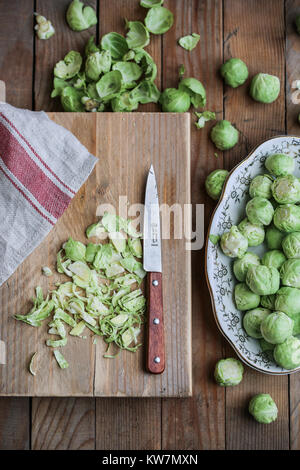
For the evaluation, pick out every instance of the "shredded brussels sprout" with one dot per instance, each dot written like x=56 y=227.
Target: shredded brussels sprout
x=63 y=364
x=31 y=364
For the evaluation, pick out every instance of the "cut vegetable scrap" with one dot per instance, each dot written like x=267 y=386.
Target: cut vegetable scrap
x=63 y=364
x=46 y=271
x=31 y=364
x=203 y=118
x=189 y=42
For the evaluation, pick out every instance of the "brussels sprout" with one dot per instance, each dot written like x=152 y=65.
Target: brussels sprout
x=265 y=346
x=91 y=47
x=195 y=89
x=254 y=233
x=297 y=22
x=228 y=372
x=44 y=28
x=287 y=354
x=214 y=183
x=286 y=189
x=233 y=243
x=268 y=301
x=244 y=298
x=80 y=17
x=263 y=408
x=291 y=245
x=276 y=327
x=274 y=238
x=252 y=321
x=147 y=63
x=273 y=258
x=290 y=273
x=69 y=66
x=234 y=72
x=260 y=186
x=116 y=44
x=241 y=265
x=263 y=280
x=189 y=42
x=145 y=92
x=71 y=99
x=129 y=71
x=287 y=218
x=280 y=164
x=74 y=250
x=224 y=135
x=109 y=85
x=175 y=101
x=265 y=88
x=259 y=211
x=124 y=103
x=137 y=35
x=203 y=118
x=97 y=63
x=288 y=300
x=159 y=20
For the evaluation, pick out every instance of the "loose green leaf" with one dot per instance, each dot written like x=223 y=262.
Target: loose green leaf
x=116 y=44
x=69 y=66
x=137 y=35
x=130 y=72
x=109 y=85
x=203 y=118
x=195 y=89
x=159 y=20
x=97 y=63
x=80 y=17
x=71 y=100
x=63 y=364
x=56 y=343
x=189 y=42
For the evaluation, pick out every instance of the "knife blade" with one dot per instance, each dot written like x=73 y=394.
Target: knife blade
x=153 y=265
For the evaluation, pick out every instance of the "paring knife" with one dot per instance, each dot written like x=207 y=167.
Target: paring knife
x=153 y=265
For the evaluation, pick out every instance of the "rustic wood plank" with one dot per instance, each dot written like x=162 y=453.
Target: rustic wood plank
x=198 y=422
x=261 y=44
x=51 y=51
x=16 y=60
x=292 y=9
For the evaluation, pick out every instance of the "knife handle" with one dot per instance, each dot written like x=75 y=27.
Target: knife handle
x=156 y=341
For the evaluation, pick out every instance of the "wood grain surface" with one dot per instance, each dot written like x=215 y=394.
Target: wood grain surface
x=262 y=33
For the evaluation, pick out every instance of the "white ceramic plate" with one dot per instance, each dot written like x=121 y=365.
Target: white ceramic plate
x=230 y=211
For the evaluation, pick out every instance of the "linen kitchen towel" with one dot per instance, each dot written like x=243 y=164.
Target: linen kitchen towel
x=42 y=166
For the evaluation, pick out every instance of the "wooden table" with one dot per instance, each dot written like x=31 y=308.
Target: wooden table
x=262 y=33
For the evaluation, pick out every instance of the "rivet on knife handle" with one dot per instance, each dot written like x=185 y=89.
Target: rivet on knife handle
x=156 y=346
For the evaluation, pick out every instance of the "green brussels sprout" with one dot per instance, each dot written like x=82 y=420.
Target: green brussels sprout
x=244 y=298
x=276 y=327
x=274 y=238
x=44 y=28
x=286 y=189
x=263 y=408
x=175 y=101
x=80 y=17
x=189 y=42
x=252 y=321
x=263 y=280
x=137 y=35
x=241 y=265
x=97 y=63
x=287 y=218
x=71 y=99
x=265 y=346
x=254 y=233
x=234 y=72
x=74 y=250
x=291 y=245
x=288 y=300
x=280 y=164
x=290 y=273
x=195 y=90
x=129 y=71
x=228 y=372
x=159 y=20
x=287 y=354
x=110 y=85
x=259 y=211
x=265 y=88
x=297 y=22
x=233 y=243
x=224 y=135
x=268 y=301
x=260 y=186
x=69 y=66
x=273 y=258
x=145 y=92
x=214 y=183
x=116 y=44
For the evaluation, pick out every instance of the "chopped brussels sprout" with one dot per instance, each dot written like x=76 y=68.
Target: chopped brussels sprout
x=159 y=20
x=95 y=230
x=263 y=408
x=69 y=66
x=74 y=250
x=229 y=372
x=44 y=28
x=203 y=118
x=189 y=42
x=31 y=364
x=80 y=17
x=63 y=364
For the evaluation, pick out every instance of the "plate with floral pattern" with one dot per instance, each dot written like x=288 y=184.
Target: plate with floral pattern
x=219 y=273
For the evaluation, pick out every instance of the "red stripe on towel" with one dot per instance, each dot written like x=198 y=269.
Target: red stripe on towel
x=17 y=160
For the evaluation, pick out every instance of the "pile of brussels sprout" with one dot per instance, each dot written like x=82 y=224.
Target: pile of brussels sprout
x=268 y=289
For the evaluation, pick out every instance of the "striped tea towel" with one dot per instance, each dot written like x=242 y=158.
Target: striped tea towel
x=42 y=166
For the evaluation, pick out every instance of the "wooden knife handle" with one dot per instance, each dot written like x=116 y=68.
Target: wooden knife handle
x=156 y=340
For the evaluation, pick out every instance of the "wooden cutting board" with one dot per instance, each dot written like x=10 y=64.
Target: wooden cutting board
x=126 y=145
